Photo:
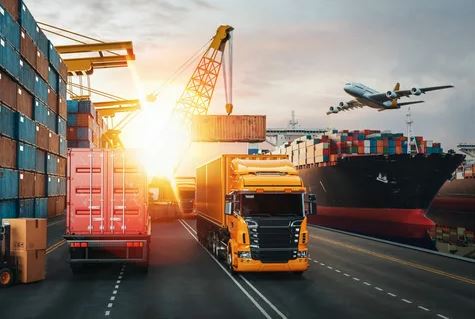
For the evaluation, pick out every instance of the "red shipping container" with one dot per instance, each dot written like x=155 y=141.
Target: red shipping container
x=24 y=102
x=63 y=71
x=84 y=120
x=40 y=185
x=118 y=203
x=42 y=65
x=61 y=167
x=53 y=144
x=8 y=91
x=42 y=137
x=12 y=6
x=26 y=184
x=52 y=101
x=62 y=108
x=28 y=48
x=8 y=151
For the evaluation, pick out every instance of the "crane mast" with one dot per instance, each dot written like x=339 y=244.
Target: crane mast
x=196 y=97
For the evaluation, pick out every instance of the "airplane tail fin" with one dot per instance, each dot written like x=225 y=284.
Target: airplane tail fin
x=396 y=87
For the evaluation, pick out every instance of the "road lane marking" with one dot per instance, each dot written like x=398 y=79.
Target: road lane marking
x=107 y=313
x=55 y=246
x=114 y=292
x=322 y=264
x=367 y=283
x=377 y=288
x=391 y=294
x=116 y=286
x=263 y=297
x=109 y=305
x=329 y=267
x=423 y=308
x=112 y=298
x=441 y=316
x=406 y=301
x=337 y=270
x=347 y=275
x=357 y=279
x=244 y=291
x=397 y=260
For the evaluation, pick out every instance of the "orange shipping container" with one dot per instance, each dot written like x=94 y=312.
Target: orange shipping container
x=26 y=184
x=42 y=137
x=229 y=128
x=8 y=152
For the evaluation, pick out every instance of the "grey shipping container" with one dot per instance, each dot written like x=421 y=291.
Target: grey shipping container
x=8 y=208
x=8 y=183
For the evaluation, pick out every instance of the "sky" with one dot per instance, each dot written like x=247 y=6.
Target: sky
x=296 y=55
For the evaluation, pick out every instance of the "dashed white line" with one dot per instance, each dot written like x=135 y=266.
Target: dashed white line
x=114 y=292
x=442 y=316
x=391 y=294
x=337 y=270
x=107 y=313
x=347 y=275
x=423 y=308
x=120 y=277
x=118 y=281
x=329 y=267
x=406 y=301
x=322 y=264
x=112 y=298
x=377 y=288
x=109 y=305
x=366 y=283
x=357 y=279
x=116 y=286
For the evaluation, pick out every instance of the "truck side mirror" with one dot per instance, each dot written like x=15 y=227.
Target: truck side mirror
x=228 y=206
x=312 y=204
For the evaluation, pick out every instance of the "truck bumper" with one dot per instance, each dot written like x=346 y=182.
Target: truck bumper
x=251 y=265
x=108 y=251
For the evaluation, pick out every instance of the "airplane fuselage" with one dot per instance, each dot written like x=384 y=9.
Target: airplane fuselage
x=362 y=94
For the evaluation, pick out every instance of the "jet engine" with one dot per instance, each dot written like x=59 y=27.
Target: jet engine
x=391 y=94
x=332 y=109
x=343 y=105
x=416 y=91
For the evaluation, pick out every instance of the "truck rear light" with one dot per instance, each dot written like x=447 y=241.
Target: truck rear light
x=134 y=244
x=79 y=245
x=83 y=245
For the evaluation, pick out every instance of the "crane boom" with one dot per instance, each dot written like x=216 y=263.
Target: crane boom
x=196 y=97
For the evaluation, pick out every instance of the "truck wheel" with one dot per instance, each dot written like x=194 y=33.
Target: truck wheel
x=6 y=277
x=229 y=260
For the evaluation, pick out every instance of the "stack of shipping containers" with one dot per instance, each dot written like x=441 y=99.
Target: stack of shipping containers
x=85 y=125
x=33 y=113
x=327 y=148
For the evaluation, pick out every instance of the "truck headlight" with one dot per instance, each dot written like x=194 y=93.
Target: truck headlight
x=244 y=254
x=302 y=254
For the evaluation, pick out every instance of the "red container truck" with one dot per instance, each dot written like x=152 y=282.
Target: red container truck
x=107 y=208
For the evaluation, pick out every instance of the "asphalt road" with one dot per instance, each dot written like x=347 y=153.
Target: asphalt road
x=349 y=277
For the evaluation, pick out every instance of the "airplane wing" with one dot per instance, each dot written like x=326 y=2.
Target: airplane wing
x=381 y=97
x=398 y=105
x=344 y=106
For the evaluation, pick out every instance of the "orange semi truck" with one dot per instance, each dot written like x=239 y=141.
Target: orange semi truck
x=251 y=211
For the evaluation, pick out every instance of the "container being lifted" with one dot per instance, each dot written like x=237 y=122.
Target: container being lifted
x=251 y=211
x=107 y=215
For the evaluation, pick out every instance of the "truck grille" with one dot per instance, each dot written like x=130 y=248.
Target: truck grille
x=274 y=240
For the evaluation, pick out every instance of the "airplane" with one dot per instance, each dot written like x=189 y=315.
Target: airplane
x=365 y=96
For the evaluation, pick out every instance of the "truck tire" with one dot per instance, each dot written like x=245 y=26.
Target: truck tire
x=6 y=277
x=229 y=260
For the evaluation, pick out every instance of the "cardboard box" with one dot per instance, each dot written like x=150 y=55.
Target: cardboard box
x=31 y=265
x=27 y=233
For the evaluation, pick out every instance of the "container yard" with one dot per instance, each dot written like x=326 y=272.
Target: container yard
x=142 y=177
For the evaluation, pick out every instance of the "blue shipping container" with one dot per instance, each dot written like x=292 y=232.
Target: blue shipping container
x=51 y=163
x=27 y=76
x=28 y=22
x=26 y=208
x=53 y=185
x=61 y=88
x=26 y=129
x=51 y=121
x=73 y=106
x=63 y=146
x=8 y=208
x=61 y=126
x=41 y=207
x=7 y=122
x=53 y=78
x=41 y=89
x=53 y=57
x=9 y=59
x=62 y=186
x=40 y=166
x=80 y=144
x=9 y=28
x=42 y=43
x=41 y=112
x=87 y=107
x=26 y=157
x=8 y=183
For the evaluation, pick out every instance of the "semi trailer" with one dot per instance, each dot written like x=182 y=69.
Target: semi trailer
x=251 y=212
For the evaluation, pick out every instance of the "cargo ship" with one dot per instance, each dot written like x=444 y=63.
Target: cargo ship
x=366 y=182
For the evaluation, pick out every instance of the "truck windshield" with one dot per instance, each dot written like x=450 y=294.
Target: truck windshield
x=282 y=204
